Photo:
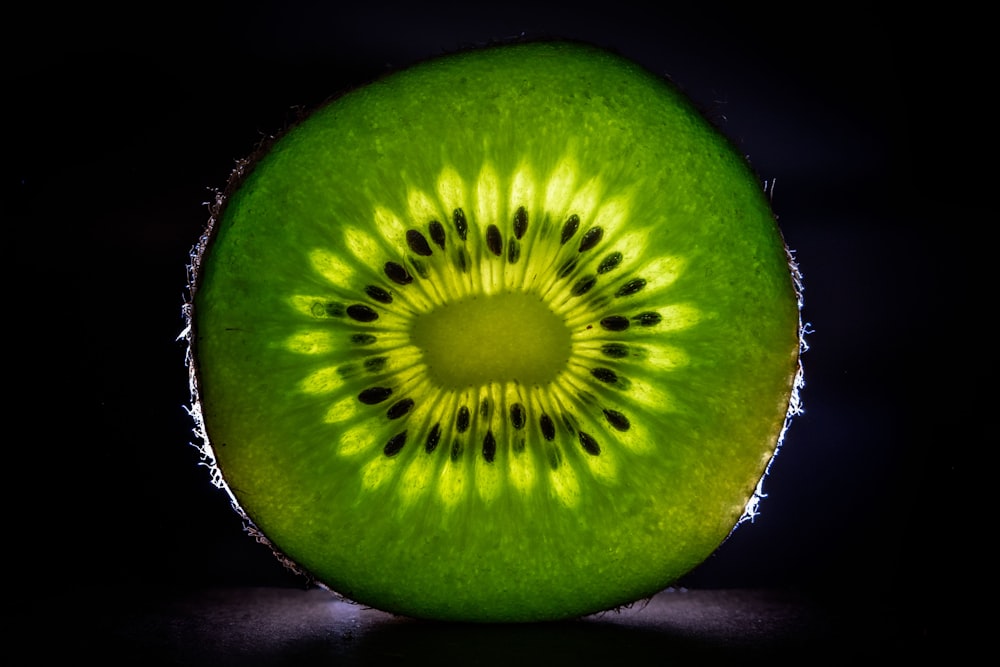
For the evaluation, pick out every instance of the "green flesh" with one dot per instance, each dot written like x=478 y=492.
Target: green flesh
x=525 y=423
x=504 y=338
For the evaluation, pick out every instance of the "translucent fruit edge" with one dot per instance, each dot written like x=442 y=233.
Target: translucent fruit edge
x=202 y=441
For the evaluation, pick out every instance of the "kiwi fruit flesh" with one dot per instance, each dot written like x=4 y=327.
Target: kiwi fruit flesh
x=510 y=335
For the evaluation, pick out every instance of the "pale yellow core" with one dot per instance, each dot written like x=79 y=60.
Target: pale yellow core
x=501 y=338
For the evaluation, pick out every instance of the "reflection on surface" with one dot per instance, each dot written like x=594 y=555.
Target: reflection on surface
x=279 y=626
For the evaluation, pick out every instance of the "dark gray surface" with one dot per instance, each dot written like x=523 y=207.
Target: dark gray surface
x=286 y=626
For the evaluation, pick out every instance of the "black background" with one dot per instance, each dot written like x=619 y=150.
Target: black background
x=119 y=123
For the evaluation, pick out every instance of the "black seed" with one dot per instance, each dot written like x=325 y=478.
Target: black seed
x=610 y=262
x=589 y=444
x=517 y=416
x=374 y=395
x=513 y=251
x=362 y=313
x=456 y=450
x=489 y=447
x=461 y=224
x=363 y=339
x=375 y=364
x=418 y=243
x=437 y=233
x=617 y=420
x=520 y=222
x=605 y=375
x=419 y=267
x=484 y=408
x=650 y=319
x=462 y=421
x=399 y=408
x=332 y=310
x=614 y=350
x=519 y=445
x=548 y=428
x=379 y=294
x=493 y=240
x=395 y=444
x=397 y=273
x=433 y=438
x=567 y=267
x=583 y=285
x=631 y=287
x=591 y=238
x=615 y=323
x=346 y=370
x=462 y=258
x=569 y=228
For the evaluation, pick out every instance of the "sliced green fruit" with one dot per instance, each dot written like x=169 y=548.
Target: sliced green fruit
x=510 y=335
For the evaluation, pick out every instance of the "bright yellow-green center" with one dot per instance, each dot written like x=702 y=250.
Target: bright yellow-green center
x=512 y=337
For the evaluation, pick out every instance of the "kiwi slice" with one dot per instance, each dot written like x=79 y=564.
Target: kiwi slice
x=509 y=335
